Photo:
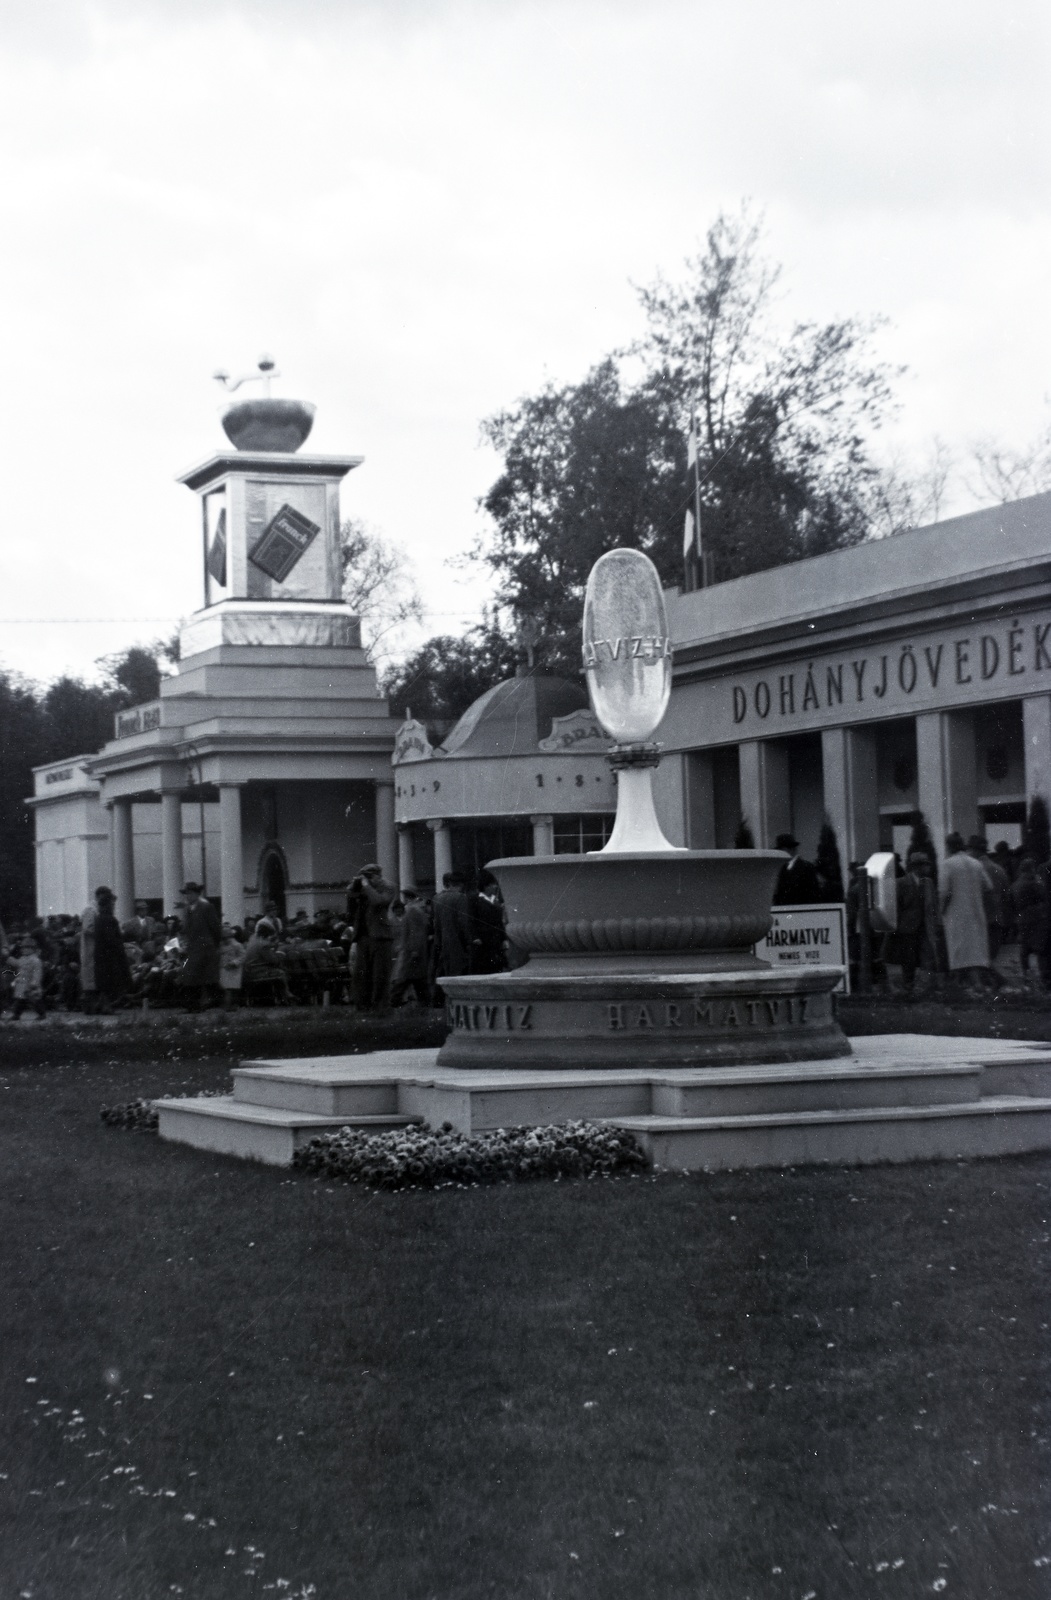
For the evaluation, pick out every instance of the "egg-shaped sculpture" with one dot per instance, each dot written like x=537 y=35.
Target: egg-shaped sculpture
x=627 y=651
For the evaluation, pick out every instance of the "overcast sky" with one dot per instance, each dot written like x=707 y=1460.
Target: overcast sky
x=425 y=209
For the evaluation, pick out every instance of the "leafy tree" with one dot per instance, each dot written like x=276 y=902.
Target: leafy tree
x=22 y=743
x=438 y=682
x=586 y=468
x=1038 y=830
x=784 y=422
x=68 y=718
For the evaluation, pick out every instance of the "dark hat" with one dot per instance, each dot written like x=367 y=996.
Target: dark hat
x=976 y=842
x=410 y=894
x=104 y=894
x=191 y=888
x=785 y=841
x=368 y=869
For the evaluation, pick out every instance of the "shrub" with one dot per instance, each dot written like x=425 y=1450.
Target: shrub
x=419 y=1158
x=141 y=1115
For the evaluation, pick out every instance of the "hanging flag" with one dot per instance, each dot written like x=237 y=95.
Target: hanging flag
x=691 y=448
x=688 y=536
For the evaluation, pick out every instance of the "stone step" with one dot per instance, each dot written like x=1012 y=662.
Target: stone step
x=270 y=1134
x=995 y=1126
x=828 y=1086
x=321 y=1097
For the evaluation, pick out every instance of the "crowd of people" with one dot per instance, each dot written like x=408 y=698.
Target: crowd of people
x=387 y=948
x=383 y=949
x=959 y=924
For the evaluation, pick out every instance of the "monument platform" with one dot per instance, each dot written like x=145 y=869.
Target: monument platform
x=898 y=1097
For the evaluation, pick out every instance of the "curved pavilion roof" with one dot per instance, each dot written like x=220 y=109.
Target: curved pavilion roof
x=512 y=718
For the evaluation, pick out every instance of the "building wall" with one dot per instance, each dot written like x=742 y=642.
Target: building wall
x=913 y=674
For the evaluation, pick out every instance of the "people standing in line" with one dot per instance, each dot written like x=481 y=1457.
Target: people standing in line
x=451 y=951
x=202 y=931
x=798 y=883
x=487 y=927
x=410 y=966
x=965 y=904
x=376 y=937
x=1029 y=902
x=917 y=930
x=1000 y=908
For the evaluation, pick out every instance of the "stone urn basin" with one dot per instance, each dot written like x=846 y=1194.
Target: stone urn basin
x=268 y=424
x=702 y=909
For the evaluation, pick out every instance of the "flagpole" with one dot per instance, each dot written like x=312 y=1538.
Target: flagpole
x=697 y=502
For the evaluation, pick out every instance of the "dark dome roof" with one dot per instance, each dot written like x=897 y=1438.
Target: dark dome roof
x=512 y=718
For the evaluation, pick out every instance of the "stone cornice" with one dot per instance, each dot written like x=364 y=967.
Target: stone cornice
x=266 y=463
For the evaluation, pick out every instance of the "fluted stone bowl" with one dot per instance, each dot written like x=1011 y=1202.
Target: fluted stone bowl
x=263 y=424
x=710 y=902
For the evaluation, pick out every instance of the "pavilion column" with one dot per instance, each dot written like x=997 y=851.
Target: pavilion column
x=123 y=847
x=543 y=835
x=443 y=849
x=171 y=848
x=851 y=797
x=406 y=858
x=766 y=800
x=386 y=837
x=700 y=801
x=947 y=773
x=231 y=854
x=1036 y=736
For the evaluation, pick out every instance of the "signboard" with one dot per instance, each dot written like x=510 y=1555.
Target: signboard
x=141 y=719
x=411 y=743
x=217 y=552
x=284 y=539
x=808 y=936
x=576 y=729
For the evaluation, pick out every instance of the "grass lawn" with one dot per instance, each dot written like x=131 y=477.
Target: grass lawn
x=818 y=1382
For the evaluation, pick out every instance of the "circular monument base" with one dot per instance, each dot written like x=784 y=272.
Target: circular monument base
x=608 y=1019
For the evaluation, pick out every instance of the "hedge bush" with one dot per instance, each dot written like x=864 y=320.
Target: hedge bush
x=141 y=1115
x=419 y=1158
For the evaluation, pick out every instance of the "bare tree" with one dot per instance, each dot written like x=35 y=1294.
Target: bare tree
x=379 y=585
x=901 y=497
x=1004 y=474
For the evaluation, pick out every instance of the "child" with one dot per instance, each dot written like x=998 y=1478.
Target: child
x=29 y=980
x=231 y=966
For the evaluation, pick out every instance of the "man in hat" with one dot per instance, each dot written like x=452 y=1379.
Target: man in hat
x=451 y=952
x=203 y=934
x=797 y=884
x=374 y=936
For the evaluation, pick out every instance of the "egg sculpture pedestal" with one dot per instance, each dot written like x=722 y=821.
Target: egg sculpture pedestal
x=641 y=954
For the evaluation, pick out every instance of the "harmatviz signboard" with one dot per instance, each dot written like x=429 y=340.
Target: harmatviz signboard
x=808 y=936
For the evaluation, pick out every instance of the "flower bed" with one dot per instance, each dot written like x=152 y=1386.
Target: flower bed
x=141 y=1115
x=419 y=1158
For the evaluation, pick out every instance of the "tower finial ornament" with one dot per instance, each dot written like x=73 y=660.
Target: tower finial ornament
x=263 y=376
x=264 y=422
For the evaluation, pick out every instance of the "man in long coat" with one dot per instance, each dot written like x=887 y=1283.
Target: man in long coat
x=203 y=932
x=375 y=936
x=410 y=965
x=965 y=904
x=451 y=955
